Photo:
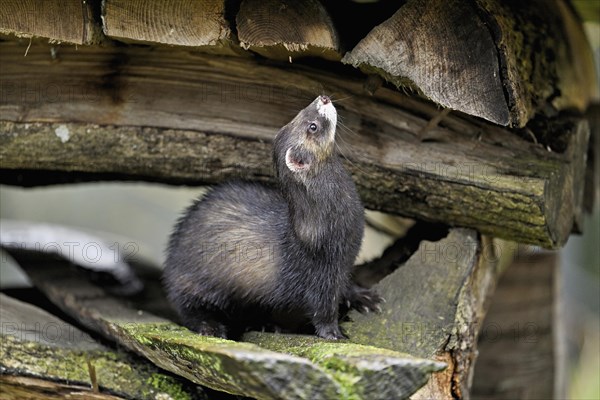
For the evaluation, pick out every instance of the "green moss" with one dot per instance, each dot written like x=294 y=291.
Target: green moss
x=114 y=371
x=166 y=384
x=353 y=366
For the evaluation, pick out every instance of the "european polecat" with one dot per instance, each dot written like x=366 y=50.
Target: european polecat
x=248 y=255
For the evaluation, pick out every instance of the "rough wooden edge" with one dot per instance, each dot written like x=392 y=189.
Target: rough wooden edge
x=434 y=306
x=70 y=21
x=202 y=26
x=523 y=67
x=284 y=30
x=22 y=387
x=430 y=45
x=544 y=65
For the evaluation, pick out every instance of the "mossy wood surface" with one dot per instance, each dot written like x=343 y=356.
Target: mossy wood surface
x=435 y=304
x=22 y=387
x=498 y=60
x=190 y=118
x=35 y=344
x=298 y=368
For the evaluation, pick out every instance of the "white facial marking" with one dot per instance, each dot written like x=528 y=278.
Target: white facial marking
x=328 y=111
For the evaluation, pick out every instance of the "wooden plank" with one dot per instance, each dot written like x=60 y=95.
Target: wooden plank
x=20 y=387
x=312 y=368
x=518 y=353
x=502 y=61
x=288 y=29
x=70 y=21
x=35 y=344
x=198 y=24
x=435 y=304
x=97 y=110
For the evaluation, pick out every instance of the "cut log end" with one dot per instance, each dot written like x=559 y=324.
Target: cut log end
x=284 y=29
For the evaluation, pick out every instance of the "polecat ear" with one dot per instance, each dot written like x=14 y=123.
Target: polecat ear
x=296 y=161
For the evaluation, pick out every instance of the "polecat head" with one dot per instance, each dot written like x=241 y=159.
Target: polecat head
x=308 y=140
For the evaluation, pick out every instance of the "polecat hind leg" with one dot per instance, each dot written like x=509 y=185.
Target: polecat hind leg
x=203 y=321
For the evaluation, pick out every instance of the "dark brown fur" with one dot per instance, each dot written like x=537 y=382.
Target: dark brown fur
x=249 y=255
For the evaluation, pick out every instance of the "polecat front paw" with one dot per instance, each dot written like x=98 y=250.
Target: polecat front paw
x=363 y=300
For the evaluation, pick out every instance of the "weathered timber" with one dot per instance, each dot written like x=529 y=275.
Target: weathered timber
x=520 y=350
x=502 y=61
x=330 y=370
x=435 y=304
x=198 y=24
x=376 y=374
x=70 y=21
x=424 y=46
x=21 y=387
x=591 y=194
x=285 y=30
x=97 y=110
x=545 y=58
x=38 y=345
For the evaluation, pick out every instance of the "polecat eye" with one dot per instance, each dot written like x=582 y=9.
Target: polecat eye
x=312 y=128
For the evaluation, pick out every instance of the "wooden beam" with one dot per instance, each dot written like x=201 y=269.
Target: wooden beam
x=193 y=118
x=288 y=29
x=70 y=21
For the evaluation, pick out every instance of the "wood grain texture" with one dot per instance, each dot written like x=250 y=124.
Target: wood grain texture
x=442 y=49
x=20 y=387
x=201 y=119
x=188 y=23
x=434 y=306
x=70 y=21
x=504 y=61
x=284 y=29
x=519 y=355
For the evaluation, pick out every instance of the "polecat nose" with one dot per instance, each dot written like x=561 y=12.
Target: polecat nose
x=325 y=99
